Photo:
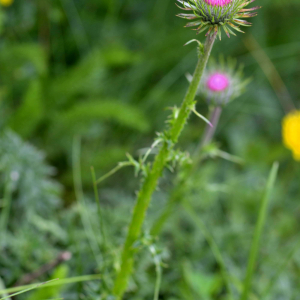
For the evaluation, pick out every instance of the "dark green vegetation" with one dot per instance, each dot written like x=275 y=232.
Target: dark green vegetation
x=92 y=79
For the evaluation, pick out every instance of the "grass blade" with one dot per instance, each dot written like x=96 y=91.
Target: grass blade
x=258 y=231
x=27 y=290
x=51 y=283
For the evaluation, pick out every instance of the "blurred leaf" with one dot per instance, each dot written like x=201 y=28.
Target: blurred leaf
x=23 y=61
x=30 y=113
x=88 y=75
x=2 y=16
x=116 y=55
x=106 y=110
x=48 y=227
x=203 y=285
x=35 y=192
x=85 y=77
x=2 y=287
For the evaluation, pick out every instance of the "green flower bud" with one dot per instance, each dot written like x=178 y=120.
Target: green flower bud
x=212 y=15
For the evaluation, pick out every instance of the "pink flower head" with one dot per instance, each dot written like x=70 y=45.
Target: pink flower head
x=217 y=2
x=217 y=82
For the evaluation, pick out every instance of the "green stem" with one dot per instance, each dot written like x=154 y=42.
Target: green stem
x=258 y=232
x=151 y=180
x=180 y=183
x=178 y=195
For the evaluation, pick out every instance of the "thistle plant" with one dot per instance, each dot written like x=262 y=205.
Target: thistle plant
x=167 y=140
x=220 y=14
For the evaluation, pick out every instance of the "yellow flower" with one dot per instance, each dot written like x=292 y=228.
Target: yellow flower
x=6 y=2
x=291 y=132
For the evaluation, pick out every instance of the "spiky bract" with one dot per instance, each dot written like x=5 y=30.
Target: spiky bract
x=222 y=82
x=212 y=15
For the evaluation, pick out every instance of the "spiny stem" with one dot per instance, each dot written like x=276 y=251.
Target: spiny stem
x=150 y=183
x=178 y=193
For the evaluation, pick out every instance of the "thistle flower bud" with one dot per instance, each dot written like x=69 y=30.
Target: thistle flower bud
x=222 y=82
x=212 y=15
x=217 y=82
x=291 y=133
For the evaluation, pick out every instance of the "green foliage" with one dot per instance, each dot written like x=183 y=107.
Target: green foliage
x=105 y=71
x=33 y=107
x=30 y=196
x=21 y=165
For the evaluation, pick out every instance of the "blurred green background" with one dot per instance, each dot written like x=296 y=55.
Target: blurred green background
x=99 y=75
